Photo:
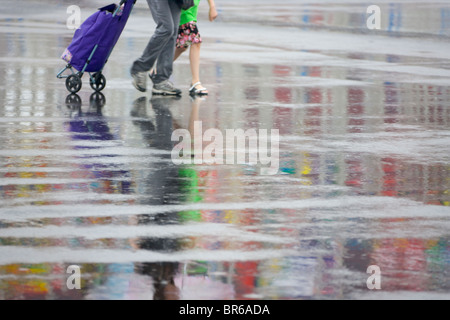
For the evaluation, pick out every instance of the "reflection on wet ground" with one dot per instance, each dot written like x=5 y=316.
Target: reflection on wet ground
x=88 y=179
x=405 y=18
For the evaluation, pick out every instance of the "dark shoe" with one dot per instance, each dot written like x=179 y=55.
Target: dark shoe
x=165 y=88
x=140 y=81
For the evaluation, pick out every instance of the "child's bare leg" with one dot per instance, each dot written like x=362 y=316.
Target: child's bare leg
x=179 y=52
x=194 y=57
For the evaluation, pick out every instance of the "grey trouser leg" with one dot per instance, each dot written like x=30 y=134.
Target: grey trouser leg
x=161 y=47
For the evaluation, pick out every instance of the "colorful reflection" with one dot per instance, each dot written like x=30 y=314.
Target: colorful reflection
x=91 y=126
x=341 y=141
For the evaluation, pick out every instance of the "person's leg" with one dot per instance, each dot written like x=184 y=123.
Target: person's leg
x=194 y=57
x=166 y=55
x=179 y=52
x=162 y=13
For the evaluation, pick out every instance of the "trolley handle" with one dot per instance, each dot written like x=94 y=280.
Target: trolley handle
x=119 y=6
x=125 y=1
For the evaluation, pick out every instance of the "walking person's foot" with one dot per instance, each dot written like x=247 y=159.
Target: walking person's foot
x=165 y=88
x=140 y=80
x=198 y=89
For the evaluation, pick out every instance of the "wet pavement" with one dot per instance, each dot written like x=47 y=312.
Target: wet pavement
x=363 y=117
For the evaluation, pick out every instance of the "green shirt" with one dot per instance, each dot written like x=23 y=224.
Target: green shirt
x=190 y=14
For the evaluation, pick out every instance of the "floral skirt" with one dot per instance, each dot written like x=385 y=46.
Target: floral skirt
x=188 y=34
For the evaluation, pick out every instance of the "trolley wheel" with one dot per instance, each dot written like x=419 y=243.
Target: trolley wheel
x=73 y=83
x=99 y=82
x=73 y=101
x=97 y=99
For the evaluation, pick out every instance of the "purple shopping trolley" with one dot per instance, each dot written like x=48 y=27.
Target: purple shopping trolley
x=92 y=44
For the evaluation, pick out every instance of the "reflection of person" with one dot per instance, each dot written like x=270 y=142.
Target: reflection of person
x=195 y=112
x=189 y=36
x=160 y=49
x=161 y=187
x=163 y=274
x=189 y=175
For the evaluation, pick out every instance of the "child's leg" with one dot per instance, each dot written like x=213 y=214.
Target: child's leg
x=179 y=52
x=194 y=57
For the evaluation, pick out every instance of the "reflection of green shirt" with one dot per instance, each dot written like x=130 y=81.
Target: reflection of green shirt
x=191 y=192
x=189 y=14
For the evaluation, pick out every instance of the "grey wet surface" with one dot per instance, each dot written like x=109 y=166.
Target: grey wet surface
x=363 y=117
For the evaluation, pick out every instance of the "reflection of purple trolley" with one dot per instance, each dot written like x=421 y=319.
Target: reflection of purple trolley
x=92 y=45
